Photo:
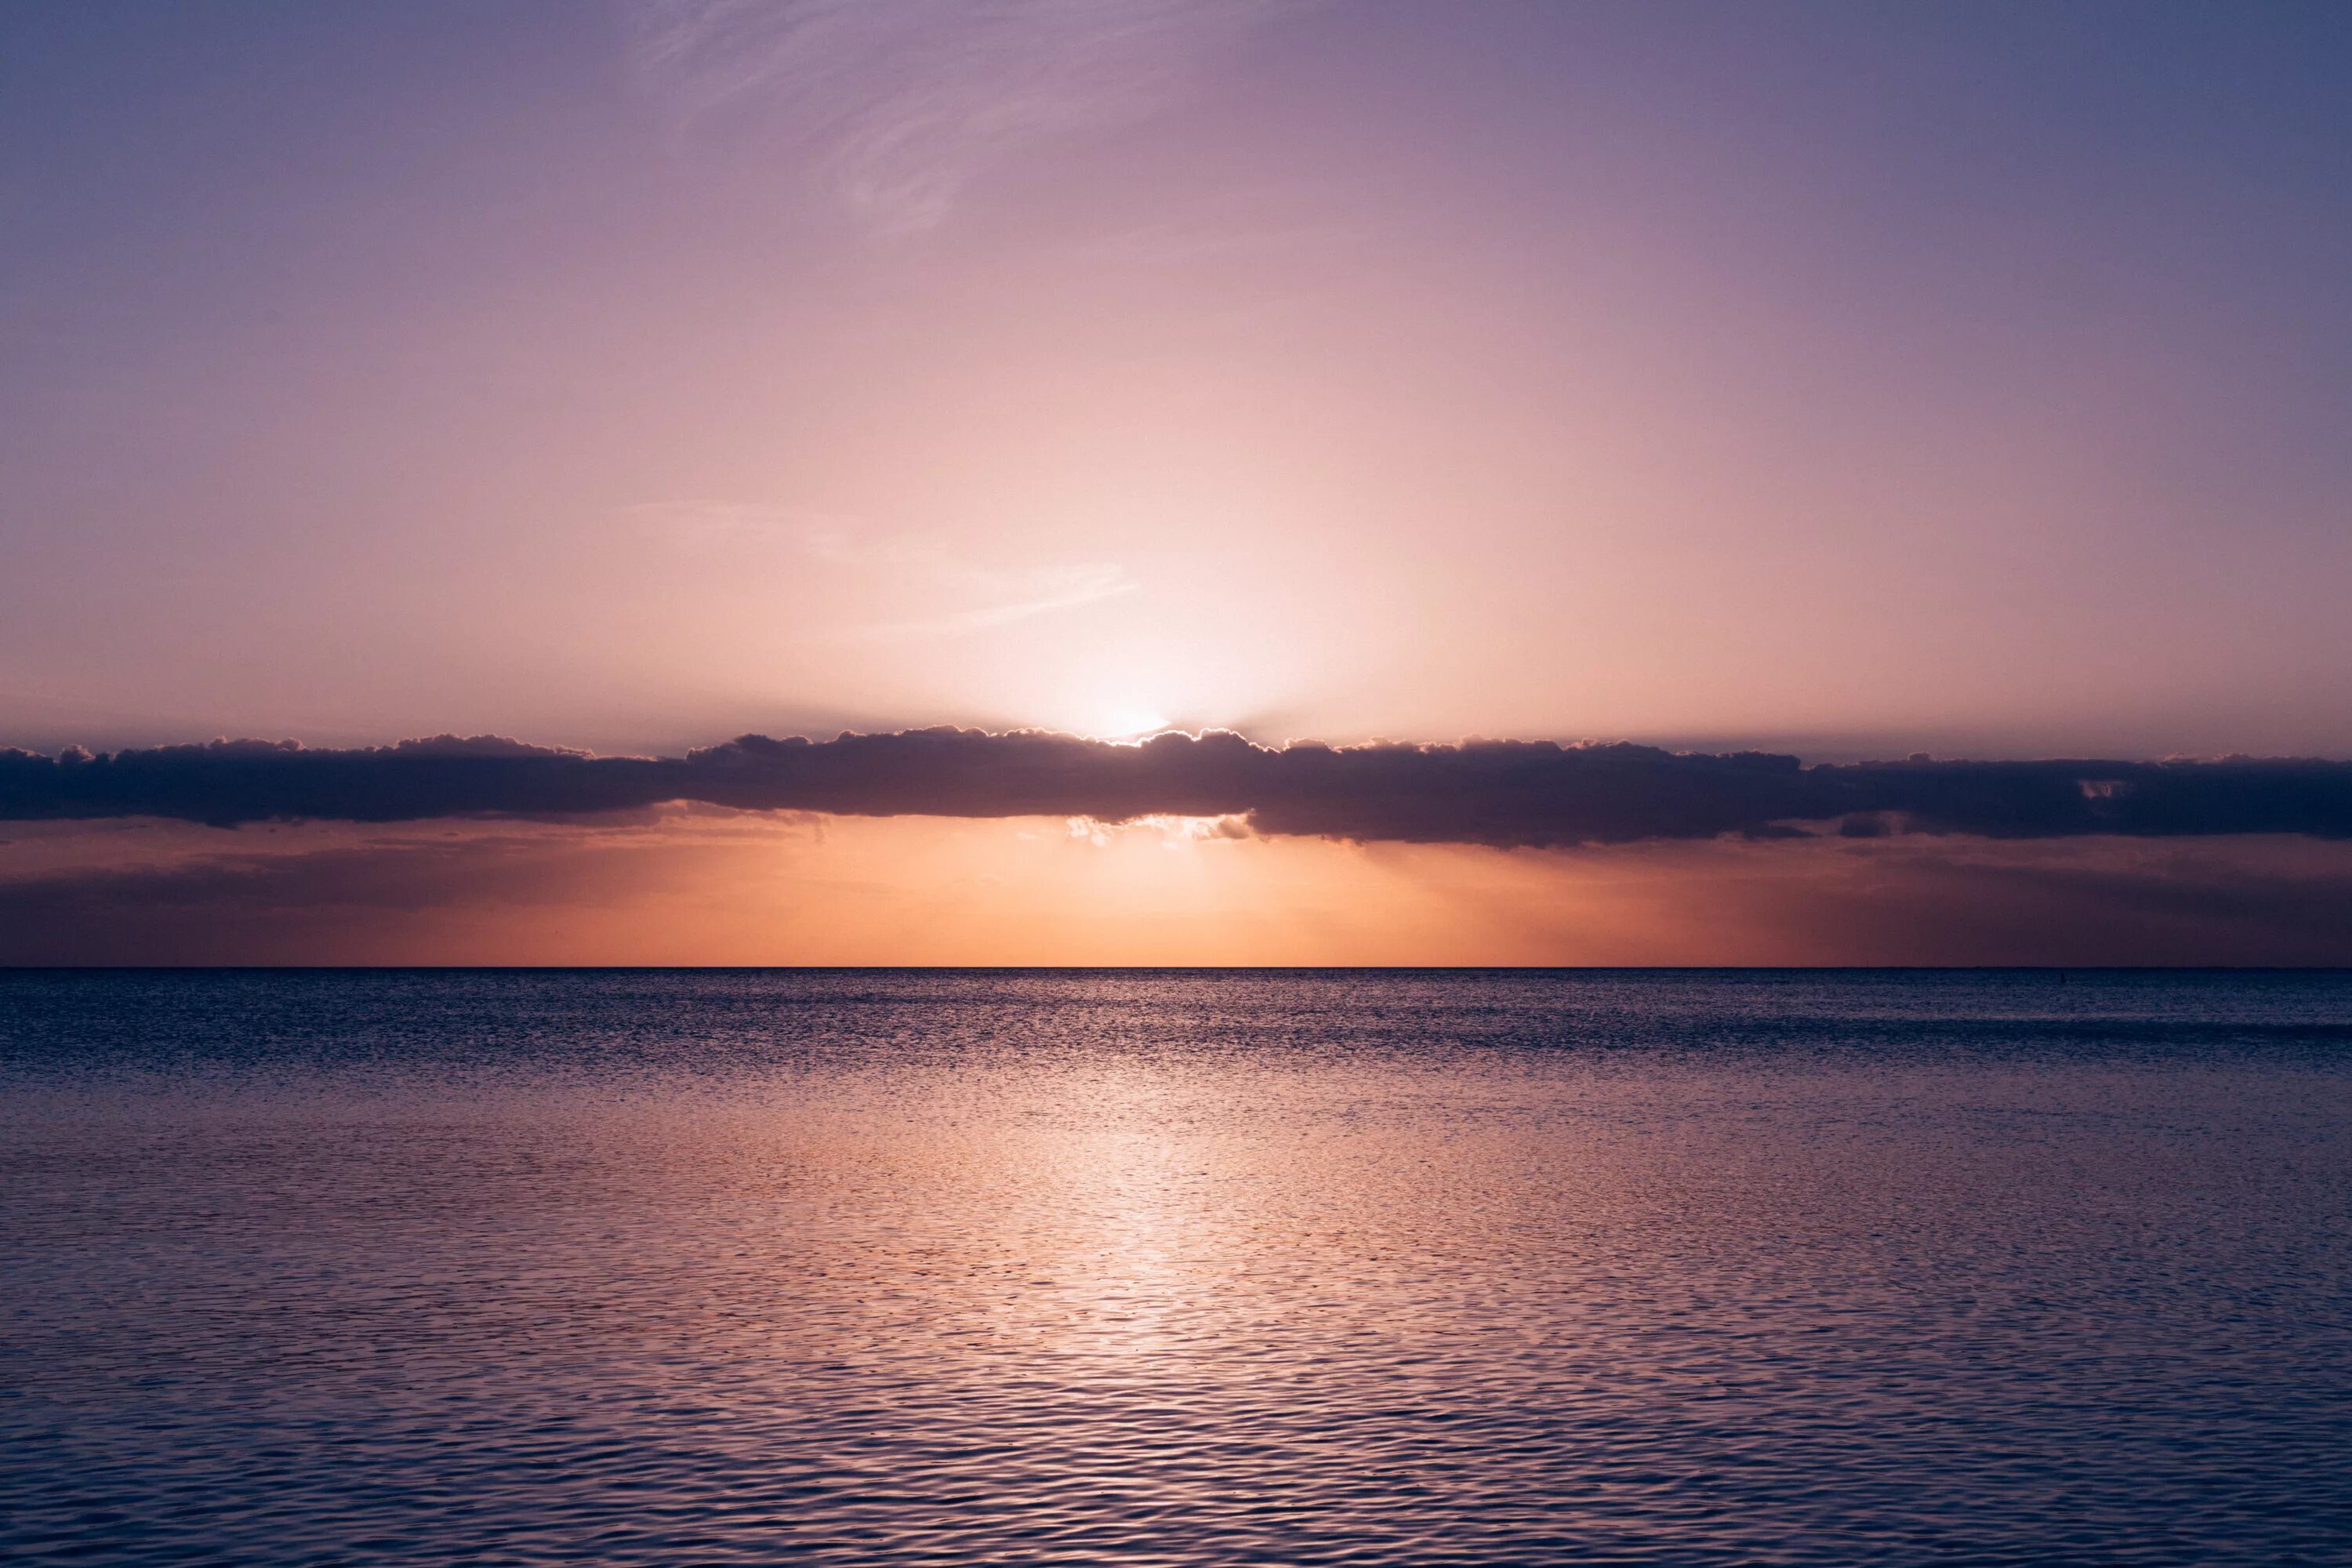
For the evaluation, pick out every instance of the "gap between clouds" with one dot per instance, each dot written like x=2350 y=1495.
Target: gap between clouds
x=703 y=887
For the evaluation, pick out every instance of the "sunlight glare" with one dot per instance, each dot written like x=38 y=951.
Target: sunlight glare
x=1130 y=721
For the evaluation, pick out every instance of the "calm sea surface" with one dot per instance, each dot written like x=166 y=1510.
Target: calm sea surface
x=1171 y=1267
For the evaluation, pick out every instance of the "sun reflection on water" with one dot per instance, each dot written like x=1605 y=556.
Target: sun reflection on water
x=1182 y=1270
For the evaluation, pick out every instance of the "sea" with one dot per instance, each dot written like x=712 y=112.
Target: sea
x=1175 y=1266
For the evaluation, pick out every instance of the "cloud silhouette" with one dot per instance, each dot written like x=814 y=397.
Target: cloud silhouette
x=1505 y=793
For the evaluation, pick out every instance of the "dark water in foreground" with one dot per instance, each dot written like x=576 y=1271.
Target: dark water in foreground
x=1175 y=1268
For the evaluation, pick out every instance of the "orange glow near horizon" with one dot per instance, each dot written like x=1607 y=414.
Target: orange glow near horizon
x=708 y=887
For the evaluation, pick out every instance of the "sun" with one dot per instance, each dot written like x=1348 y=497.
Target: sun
x=1125 y=720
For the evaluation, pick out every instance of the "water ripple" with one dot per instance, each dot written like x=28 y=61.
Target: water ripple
x=1167 y=1268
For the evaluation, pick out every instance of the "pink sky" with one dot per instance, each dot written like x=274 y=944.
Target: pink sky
x=1844 y=383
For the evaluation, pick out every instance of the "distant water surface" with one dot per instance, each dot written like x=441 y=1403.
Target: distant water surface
x=1175 y=1267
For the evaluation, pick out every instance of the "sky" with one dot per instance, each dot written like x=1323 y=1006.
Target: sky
x=1837 y=382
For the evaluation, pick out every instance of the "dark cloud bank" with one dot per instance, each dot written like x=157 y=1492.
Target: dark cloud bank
x=1507 y=795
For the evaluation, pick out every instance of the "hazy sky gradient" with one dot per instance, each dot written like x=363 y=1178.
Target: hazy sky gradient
x=1847 y=378
x=1840 y=379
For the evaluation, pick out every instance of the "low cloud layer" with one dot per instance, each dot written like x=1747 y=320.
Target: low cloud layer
x=1505 y=794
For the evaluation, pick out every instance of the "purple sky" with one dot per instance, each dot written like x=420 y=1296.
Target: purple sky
x=1838 y=380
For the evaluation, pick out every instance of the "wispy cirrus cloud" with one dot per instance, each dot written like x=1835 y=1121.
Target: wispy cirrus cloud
x=900 y=106
x=1011 y=598
x=960 y=595
x=995 y=596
